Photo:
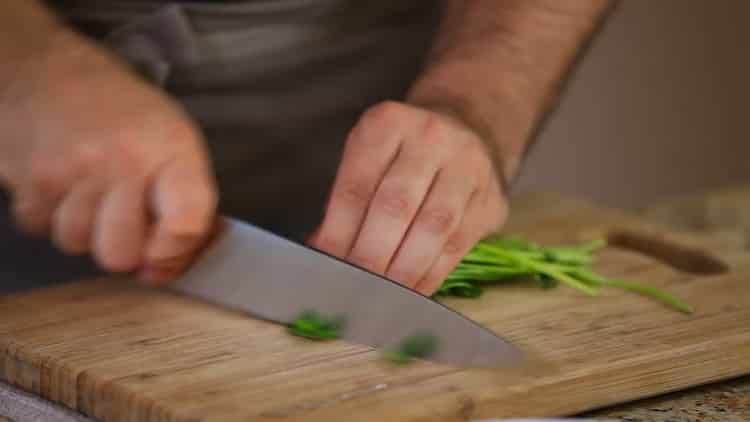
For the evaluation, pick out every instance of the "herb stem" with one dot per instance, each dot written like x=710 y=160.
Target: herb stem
x=652 y=292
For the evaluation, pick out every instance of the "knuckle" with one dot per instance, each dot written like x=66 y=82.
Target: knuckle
x=187 y=228
x=114 y=261
x=355 y=193
x=434 y=130
x=204 y=202
x=395 y=201
x=384 y=113
x=30 y=221
x=429 y=286
x=478 y=153
x=330 y=244
x=483 y=161
x=188 y=215
x=438 y=221
x=45 y=175
x=480 y=174
x=406 y=277
x=32 y=214
x=183 y=131
x=170 y=263
x=456 y=244
x=193 y=211
x=87 y=158
x=71 y=237
x=131 y=158
x=363 y=260
x=71 y=245
x=498 y=215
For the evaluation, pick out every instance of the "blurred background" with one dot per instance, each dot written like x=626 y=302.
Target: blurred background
x=658 y=107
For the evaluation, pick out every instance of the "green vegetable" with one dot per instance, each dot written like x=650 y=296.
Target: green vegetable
x=316 y=327
x=505 y=259
x=418 y=346
x=461 y=288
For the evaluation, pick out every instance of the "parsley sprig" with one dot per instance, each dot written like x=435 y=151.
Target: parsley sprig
x=502 y=259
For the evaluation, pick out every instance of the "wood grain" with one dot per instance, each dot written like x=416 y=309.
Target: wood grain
x=118 y=352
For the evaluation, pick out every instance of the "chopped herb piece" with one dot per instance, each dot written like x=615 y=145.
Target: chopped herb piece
x=460 y=288
x=418 y=346
x=316 y=327
x=397 y=357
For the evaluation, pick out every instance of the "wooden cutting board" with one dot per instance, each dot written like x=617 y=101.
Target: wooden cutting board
x=118 y=352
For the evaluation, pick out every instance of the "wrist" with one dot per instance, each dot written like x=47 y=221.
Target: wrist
x=28 y=33
x=502 y=113
x=22 y=74
x=60 y=64
x=54 y=69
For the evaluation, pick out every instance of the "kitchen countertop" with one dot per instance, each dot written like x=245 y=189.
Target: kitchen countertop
x=725 y=215
x=727 y=401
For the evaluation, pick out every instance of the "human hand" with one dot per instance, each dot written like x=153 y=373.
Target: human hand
x=416 y=189
x=104 y=163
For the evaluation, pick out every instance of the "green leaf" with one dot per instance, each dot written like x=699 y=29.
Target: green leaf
x=417 y=346
x=460 y=288
x=397 y=357
x=314 y=326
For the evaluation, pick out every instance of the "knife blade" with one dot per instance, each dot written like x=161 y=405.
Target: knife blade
x=252 y=270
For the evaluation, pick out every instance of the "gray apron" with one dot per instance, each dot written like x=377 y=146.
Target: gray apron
x=275 y=86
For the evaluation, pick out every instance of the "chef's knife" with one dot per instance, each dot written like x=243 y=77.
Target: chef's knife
x=249 y=269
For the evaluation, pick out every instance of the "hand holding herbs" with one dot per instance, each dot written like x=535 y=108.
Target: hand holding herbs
x=498 y=260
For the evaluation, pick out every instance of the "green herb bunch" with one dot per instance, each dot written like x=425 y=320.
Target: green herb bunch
x=502 y=259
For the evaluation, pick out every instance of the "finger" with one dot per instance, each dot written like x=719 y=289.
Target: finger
x=397 y=199
x=436 y=221
x=312 y=238
x=369 y=151
x=50 y=177
x=73 y=221
x=32 y=213
x=120 y=227
x=483 y=215
x=36 y=200
x=184 y=204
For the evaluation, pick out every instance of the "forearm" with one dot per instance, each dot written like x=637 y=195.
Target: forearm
x=27 y=29
x=27 y=32
x=499 y=65
x=40 y=57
